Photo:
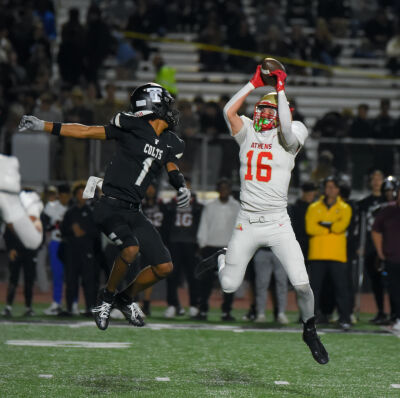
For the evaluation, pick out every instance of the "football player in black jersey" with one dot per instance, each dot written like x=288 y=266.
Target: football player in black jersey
x=145 y=144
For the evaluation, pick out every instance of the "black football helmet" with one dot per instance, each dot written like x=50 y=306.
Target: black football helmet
x=151 y=98
x=390 y=183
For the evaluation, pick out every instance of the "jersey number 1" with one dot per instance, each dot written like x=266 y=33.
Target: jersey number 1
x=146 y=167
x=263 y=171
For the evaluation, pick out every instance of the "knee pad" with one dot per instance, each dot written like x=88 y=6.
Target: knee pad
x=303 y=290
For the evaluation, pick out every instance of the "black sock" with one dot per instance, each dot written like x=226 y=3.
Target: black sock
x=108 y=296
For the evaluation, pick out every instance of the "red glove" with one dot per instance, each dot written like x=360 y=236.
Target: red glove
x=280 y=79
x=256 y=80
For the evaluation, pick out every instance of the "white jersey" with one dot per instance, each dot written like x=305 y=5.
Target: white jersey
x=55 y=210
x=265 y=167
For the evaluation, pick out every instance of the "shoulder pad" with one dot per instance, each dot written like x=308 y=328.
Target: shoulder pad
x=125 y=121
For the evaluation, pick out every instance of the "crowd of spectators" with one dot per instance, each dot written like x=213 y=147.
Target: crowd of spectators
x=328 y=225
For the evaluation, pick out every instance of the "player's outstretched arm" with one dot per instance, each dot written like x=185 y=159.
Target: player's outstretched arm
x=232 y=107
x=74 y=130
x=285 y=116
x=177 y=180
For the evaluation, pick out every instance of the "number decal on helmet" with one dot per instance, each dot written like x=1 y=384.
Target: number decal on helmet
x=155 y=93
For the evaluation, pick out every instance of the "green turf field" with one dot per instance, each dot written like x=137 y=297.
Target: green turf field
x=175 y=359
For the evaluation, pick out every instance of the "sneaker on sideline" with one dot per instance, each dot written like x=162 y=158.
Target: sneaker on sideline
x=54 y=309
x=193 y=311
x=170 y=312
x=282 y=318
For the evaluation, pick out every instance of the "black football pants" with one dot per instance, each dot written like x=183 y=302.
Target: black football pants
x=80 y=265
x=26 y=260
x=338 y=273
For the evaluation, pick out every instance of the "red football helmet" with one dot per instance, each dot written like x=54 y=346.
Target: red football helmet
x=266 y=113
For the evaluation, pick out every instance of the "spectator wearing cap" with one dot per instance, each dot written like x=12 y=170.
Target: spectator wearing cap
x=327 y=221
x=385 y=235
x=297 y=213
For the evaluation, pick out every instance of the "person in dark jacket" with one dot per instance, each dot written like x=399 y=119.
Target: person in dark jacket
x=182 y=225
x=79 y=234
x=297 y=213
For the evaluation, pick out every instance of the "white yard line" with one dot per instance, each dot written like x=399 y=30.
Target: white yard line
x=45 y=376
x=163 y=379
x=198 y=327
x=67 y=344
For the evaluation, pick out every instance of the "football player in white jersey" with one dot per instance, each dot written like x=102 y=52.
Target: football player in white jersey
x=19 y=210
x=268 y=147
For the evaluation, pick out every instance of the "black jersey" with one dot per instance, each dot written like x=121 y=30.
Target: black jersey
x=183 y=222
x=139 y=157
x=156 y=214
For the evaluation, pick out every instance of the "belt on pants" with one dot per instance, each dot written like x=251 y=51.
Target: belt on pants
x=121 y=203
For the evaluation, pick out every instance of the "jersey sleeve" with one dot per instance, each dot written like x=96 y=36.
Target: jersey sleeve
x=113 y=133
x=300 y=131
x=240 y=137
x=122 y=121
x=176 y=148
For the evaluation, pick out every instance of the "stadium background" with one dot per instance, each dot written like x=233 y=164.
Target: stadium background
x=339 y=54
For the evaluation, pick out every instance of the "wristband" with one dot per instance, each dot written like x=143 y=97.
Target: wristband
x=56 y=129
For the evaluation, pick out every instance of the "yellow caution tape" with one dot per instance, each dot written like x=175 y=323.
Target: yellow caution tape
x=253 y=54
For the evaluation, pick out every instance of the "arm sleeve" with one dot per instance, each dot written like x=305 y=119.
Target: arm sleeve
x=243 y=91
x=340 y=226
x=312 y=226
x=294 y=133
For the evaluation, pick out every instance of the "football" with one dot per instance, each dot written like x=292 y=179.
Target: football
x=267 y=66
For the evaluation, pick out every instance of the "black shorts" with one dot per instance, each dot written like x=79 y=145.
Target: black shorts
x=130 y=227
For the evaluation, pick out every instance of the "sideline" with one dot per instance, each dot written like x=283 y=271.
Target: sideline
x=202 y=326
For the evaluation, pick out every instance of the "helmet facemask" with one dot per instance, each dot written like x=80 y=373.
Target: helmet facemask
x=265 y=117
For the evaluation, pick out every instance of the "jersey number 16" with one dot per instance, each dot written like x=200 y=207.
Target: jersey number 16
x=263 y=171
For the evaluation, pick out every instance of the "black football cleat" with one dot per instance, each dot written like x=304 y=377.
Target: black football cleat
x=209 y=264
x=101 y=312
x=311 y=338
x=131 y=310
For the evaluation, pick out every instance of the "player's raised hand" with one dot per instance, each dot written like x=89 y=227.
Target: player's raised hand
x=257 y=80
x=30 y=123
x=183 y=198
x=280 y=79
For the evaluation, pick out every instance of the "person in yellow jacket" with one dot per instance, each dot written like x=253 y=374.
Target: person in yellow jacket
x=326 y=223
x=165 y=75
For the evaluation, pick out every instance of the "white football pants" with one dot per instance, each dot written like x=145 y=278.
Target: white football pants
x=251 y=232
